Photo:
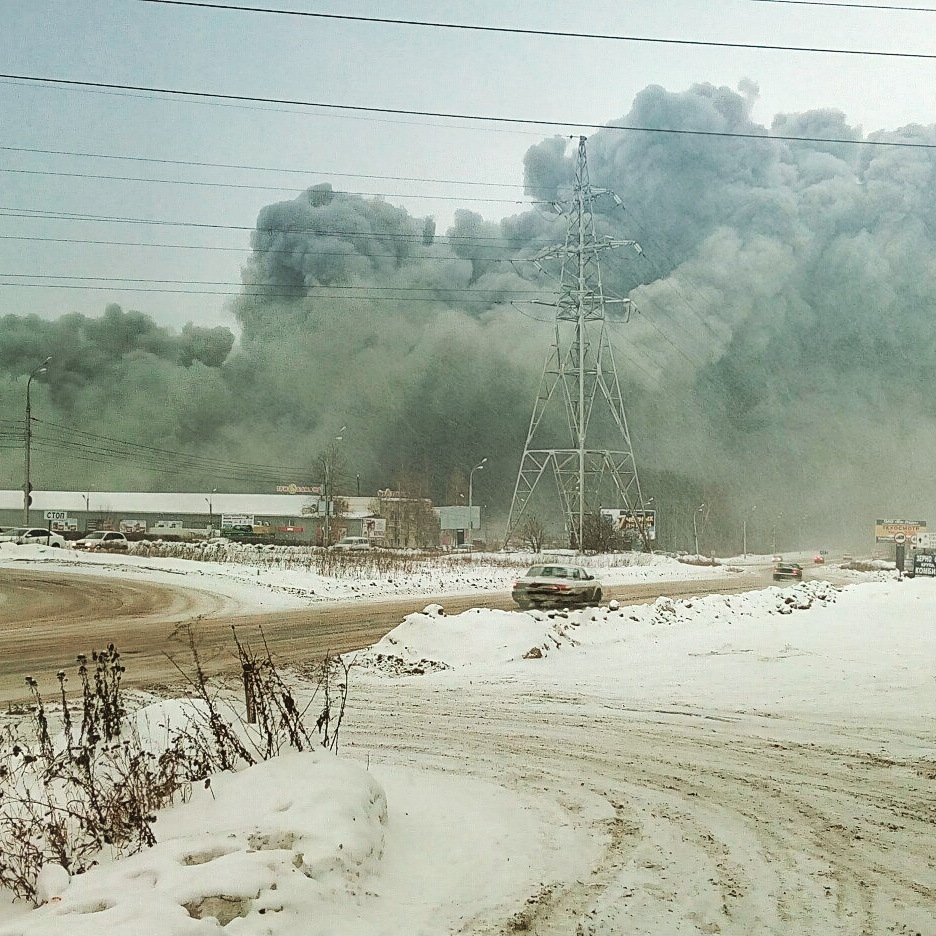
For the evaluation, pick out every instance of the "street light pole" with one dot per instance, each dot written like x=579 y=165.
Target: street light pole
x=695 y=528
x=477 y=467
x=656 y=530
x=27 y=436
x=211 y=512
x=744 y=531
x=324 y=462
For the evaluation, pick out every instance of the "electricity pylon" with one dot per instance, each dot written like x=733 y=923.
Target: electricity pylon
x=596 y=469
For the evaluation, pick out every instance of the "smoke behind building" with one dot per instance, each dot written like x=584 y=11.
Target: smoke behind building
x=780 y=356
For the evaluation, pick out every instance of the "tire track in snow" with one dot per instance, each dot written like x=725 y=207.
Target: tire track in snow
x=710 y=825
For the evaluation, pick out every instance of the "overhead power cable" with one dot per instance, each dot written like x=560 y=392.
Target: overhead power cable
x=892 y=7
x=480 y=118
x=273 y=251
x=149 y=455
x=272 y=291
x=258 y=188
x=252 y=168
x=41 y=214
x=551 y=33
x=436 y=294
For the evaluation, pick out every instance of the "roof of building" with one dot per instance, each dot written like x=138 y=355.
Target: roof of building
x=131 y=502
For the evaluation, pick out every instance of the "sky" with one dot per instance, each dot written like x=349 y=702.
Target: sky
x=735 y=764
x=195 y=222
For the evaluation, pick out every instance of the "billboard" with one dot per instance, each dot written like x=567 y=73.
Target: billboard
x=632 y=521
x=924 y=564
x=886 y=530
x=460 y=518
x=374 y=527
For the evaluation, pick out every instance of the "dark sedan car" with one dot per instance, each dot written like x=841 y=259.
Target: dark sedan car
x=558 y=586
x=788 y=570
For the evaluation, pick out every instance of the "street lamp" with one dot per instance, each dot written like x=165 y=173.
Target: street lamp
x=695 y=528
x=27 y=435
x=744 y=530
x=325 y=491
x=211 y=512
x=324 y=462
x=477 y=467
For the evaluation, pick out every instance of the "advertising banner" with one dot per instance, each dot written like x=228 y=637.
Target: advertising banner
x=374 y=527
x=924 y=564
x=631 y=521
x=886 y=530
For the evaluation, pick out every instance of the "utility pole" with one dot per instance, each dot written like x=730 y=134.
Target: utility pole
x=27 y=438
x=477 y=467
x=580 y=378
x=324 y=462
x=695 y=528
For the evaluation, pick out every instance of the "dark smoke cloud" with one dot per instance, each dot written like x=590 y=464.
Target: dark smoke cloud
x=780 y=356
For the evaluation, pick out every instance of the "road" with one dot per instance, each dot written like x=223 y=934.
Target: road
x=48 y=618
x=702 y=821
x=734 y=823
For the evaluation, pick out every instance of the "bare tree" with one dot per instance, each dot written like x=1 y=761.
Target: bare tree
x=532 y=533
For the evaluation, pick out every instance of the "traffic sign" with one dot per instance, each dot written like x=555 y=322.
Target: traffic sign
x=900 y=537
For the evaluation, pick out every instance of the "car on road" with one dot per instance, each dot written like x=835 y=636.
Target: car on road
x=558 y=586
x=32 y=535
x=788 y=570
x=352 y=543
x=103 y=541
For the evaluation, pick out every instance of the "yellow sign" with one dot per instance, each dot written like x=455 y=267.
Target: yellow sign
x=885 y=531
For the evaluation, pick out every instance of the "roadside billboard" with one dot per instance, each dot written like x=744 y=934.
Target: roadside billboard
x=924 y=564
x=374 y=527
x=632 y=521
x=459 y=518
x=886 y=530
x=58 y=521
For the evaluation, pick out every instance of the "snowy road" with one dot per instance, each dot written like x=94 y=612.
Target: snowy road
x=50 y=616
x=703 y=822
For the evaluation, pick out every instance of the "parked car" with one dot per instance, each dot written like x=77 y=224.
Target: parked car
x=30 y=535
x=103 y=540
x=556 y=586
x=787 y=570
x=352 y=543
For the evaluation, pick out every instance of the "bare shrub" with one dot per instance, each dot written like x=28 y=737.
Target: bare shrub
x=64 y=796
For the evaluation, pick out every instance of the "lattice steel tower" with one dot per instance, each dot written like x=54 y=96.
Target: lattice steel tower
x=597 y=468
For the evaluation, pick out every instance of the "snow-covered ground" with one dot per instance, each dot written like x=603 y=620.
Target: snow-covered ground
x=762 y=762
x=260 y=579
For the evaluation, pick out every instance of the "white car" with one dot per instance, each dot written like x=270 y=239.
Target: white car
x=352 y=542
x=557 y=586
x=103 y=540
x=25 y=536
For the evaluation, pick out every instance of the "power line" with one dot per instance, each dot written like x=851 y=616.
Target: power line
x=42 y=214
x=273 y=291
x=480 y=118
x=252 y=168
x=850 y=6
x=551 y=33
x=108 y=445
x=438 y=293
x=258 y=188
x=271 y=251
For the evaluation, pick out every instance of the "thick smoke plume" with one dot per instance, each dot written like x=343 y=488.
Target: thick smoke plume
x=779 y=359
